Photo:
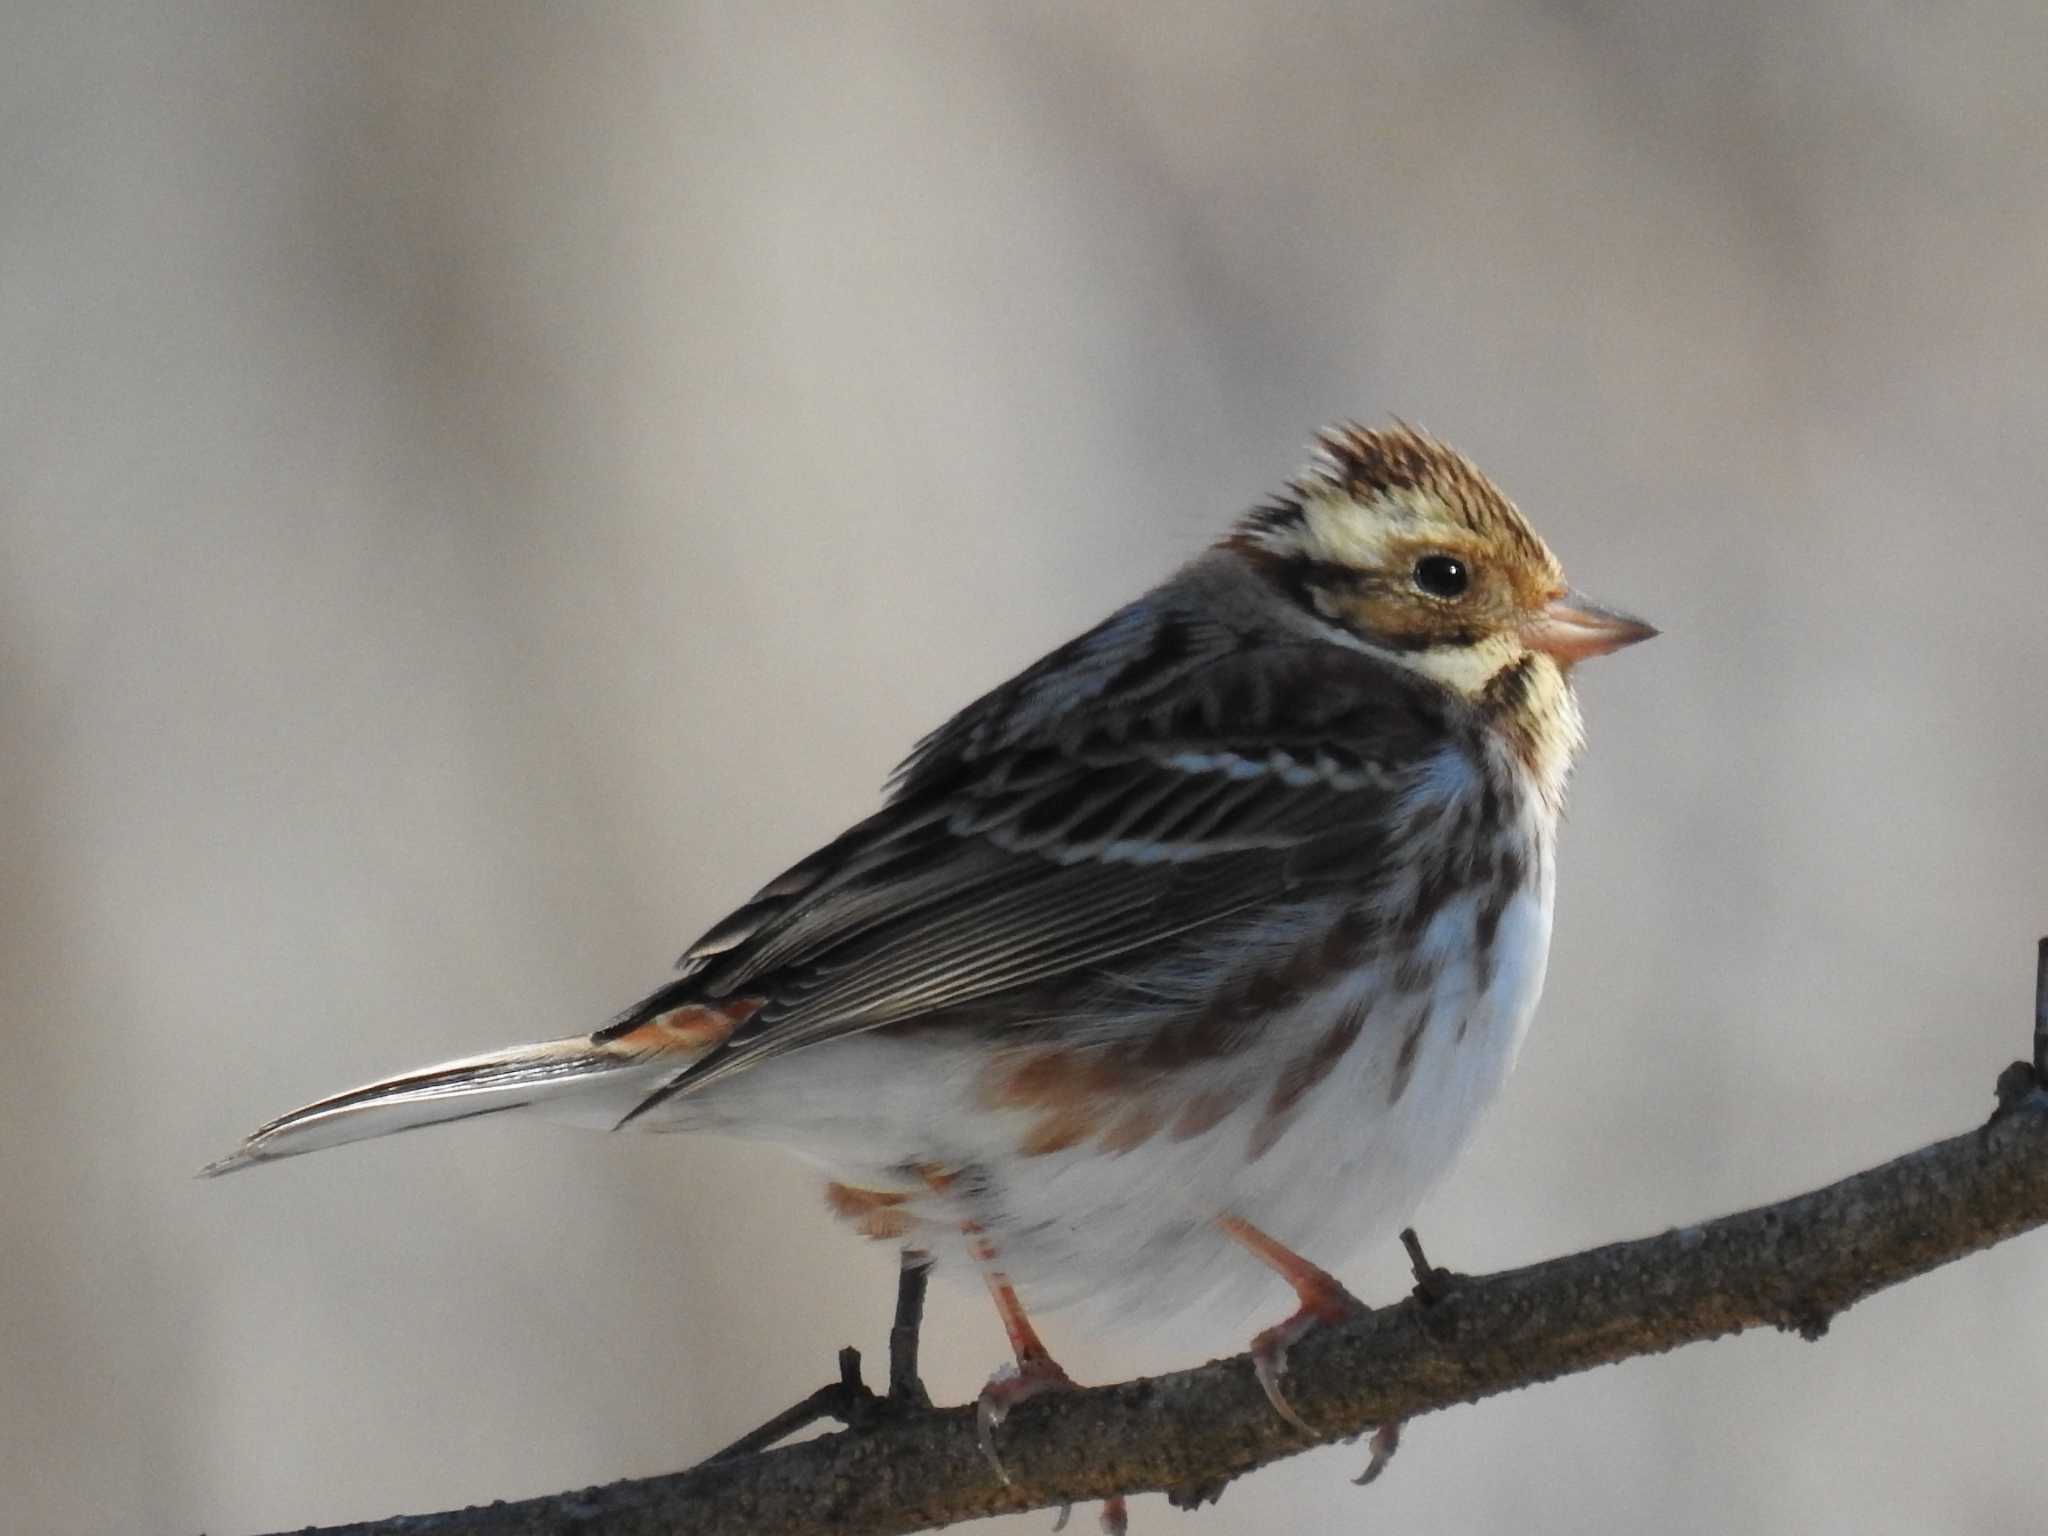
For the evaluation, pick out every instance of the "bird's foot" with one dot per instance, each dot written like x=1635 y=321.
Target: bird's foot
x=1013 y=1384
x=1322 y=1302
x=1035 y=1371
x=1385 y=1441
x=1115 y=1517
x=1032 y=1377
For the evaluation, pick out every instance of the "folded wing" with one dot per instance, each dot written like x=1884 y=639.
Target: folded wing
x=1036 y=837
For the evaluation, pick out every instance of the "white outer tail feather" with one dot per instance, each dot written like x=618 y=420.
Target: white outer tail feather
x=575 y=1080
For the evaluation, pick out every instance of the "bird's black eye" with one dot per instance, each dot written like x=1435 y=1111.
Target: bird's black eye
x=1442 y=575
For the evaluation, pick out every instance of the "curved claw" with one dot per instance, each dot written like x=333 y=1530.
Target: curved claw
x=1009 y=1386
x=990 y=1409
x=1269 y=1368
x=1269 y=1364
x=1385 y=1441
x=1323 y=1300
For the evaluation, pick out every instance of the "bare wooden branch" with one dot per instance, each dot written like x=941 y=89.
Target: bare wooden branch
x=848 y=1399
x=842 y=1400
x=1793 y=1265
x=905 y=1385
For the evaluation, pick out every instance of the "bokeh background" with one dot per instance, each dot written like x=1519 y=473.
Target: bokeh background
x=483 y=486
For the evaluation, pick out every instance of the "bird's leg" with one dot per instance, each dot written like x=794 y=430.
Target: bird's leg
x=1035 y=1371
x=1323 y=1300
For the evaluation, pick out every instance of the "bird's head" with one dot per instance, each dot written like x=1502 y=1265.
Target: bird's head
x=1397 y=544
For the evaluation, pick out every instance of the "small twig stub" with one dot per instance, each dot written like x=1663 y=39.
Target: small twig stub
x=2041 y=1013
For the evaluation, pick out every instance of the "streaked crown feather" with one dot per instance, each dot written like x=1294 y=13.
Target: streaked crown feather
x=1402 y=473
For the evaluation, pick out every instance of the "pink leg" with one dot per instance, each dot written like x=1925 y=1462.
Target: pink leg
x=1035 y=1371
x=1323 y=1300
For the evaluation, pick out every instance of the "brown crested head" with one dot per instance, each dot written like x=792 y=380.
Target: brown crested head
x=1399 y=542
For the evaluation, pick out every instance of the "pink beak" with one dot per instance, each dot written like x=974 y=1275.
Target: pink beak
x=1570 y=629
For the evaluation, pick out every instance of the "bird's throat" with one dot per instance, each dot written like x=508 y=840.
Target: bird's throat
x=1530 y=705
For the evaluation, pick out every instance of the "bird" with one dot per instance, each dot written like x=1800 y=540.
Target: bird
x=1196 y=947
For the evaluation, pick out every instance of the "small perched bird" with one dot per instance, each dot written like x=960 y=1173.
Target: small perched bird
x=1203 y=940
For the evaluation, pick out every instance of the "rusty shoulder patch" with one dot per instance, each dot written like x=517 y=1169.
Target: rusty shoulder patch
x=690 y=1030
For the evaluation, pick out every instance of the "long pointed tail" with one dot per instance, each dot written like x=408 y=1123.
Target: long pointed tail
x=587 y=1079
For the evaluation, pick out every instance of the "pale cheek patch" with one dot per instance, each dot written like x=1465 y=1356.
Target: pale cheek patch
x=1466 y=669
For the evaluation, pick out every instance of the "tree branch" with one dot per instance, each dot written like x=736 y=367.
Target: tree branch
x=1793 y=1265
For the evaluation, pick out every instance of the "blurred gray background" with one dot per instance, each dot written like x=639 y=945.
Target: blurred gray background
x=482 y=487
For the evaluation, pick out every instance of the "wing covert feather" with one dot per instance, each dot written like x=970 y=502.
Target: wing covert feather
x=1185 y=776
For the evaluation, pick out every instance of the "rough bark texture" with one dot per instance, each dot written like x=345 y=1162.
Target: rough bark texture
x=1792 y=1265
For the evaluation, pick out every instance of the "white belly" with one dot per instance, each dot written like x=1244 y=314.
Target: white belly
x=1134 y=1228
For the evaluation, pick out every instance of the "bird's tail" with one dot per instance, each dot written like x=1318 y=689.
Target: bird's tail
x=586 y=1079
